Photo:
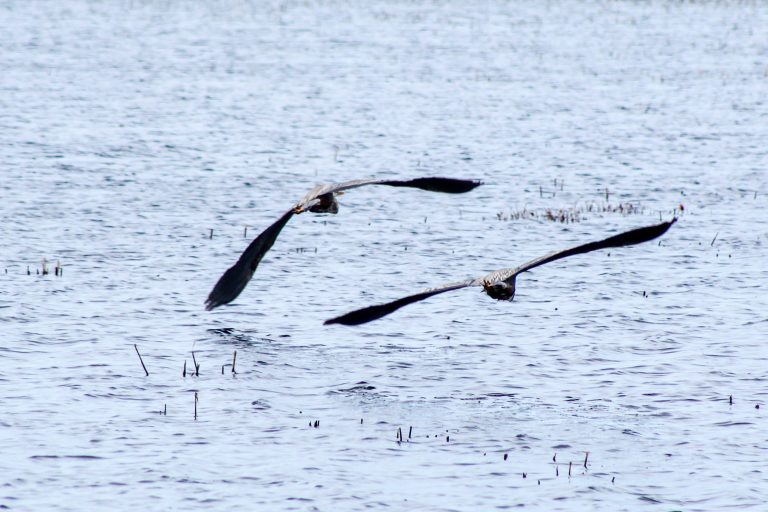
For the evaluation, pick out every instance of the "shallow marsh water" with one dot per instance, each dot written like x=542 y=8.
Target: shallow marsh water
x=132 y=129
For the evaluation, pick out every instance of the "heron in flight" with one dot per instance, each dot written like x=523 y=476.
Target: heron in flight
x=320 y=199
x=500 y=284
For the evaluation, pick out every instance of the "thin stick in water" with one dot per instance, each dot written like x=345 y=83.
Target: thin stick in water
x=197 y=366
x=142 y=360
x=195 y=405
x=234 y=360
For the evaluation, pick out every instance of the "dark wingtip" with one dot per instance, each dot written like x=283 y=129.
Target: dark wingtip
x=212 y=302
x=476 y=183
x=457 y=186
x=360 y=316
x=666 y=225
x=229 y=285
x=234 y=280
x=439 y=184
x=371 y=313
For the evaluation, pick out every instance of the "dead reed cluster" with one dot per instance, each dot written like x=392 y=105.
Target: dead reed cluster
x=571 y=214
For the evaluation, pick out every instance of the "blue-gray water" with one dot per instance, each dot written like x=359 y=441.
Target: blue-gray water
x=129 y=130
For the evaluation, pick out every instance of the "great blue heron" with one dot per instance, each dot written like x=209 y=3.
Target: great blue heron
x=500 y=284
x=320 y=199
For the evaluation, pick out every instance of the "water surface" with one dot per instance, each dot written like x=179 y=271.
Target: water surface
x=133 y=129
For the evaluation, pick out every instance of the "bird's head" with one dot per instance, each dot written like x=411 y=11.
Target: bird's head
x=499 y=290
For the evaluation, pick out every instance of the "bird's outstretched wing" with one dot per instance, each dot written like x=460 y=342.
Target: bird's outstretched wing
x=237 y=276
x=432 y=184
x=233 y=281
x=632 y=237
x=371 y=313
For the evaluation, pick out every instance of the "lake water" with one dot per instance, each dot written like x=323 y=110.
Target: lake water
x=130 y=130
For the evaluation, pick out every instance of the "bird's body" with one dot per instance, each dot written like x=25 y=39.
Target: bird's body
x=500 y=284
x=325 y=203
x=320 y=199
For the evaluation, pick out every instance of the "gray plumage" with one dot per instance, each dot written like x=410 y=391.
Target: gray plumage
x=500 y=284
x=321 y=199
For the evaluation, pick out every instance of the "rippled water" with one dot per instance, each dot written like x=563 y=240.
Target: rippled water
x=130 y=130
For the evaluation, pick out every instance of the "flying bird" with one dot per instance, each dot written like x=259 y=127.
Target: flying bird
x=500 y=284
x=321 y=199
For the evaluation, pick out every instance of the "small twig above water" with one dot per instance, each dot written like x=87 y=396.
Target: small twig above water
x=141 y=360
x=197 y=366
